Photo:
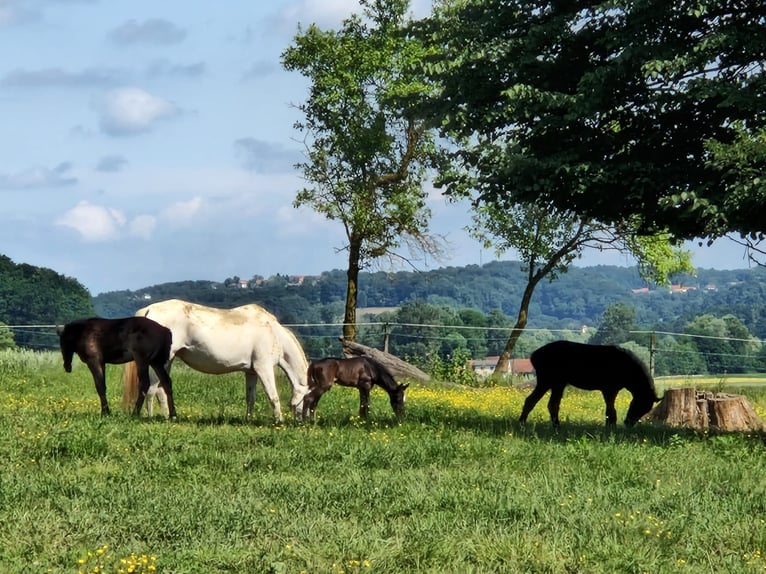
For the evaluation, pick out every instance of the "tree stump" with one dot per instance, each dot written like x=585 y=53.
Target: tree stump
x=689 y=408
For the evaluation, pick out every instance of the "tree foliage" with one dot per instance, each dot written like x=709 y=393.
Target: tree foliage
x=31 y=295
x=646 y=109
x=366 y=154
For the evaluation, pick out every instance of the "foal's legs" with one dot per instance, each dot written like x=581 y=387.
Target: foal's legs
x=311 y=400
x=364 y=398
x=97 y=369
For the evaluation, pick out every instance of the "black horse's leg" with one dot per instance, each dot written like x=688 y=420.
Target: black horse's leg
x=536 y=394
x=97 y=369
x=166 y=384
x=143 y=386
x=553 y=404
x=611 y=412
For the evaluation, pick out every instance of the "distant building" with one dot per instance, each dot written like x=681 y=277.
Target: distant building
x=518 y=367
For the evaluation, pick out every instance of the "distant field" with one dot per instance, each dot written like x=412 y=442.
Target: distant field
x=362 y=311
x=726 y=381
x=459 y=487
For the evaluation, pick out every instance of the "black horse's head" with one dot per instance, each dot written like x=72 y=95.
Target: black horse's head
x=67 y=343
x=397 y=399
x=639 y=406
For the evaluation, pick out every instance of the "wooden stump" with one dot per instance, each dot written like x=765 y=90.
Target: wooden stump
x=689 y=408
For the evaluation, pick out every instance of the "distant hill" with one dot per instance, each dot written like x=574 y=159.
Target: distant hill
x=576 y=298
x=31 y=295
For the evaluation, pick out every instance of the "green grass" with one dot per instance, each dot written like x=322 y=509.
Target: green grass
x=458 y=487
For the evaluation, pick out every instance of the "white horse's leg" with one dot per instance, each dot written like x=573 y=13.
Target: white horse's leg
x=155 y=391
x=266 y=372
x=251 y=380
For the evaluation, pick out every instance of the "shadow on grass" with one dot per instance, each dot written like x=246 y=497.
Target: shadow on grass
x=644 y=432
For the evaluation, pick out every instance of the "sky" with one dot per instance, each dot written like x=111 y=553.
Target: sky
x=144 y=142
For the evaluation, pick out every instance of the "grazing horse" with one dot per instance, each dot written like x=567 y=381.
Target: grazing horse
x=359 y=372
x=605 y=368
x=99 y=341
x=216 y=341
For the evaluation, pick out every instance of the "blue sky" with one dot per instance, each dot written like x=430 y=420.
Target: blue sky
x=146 y=142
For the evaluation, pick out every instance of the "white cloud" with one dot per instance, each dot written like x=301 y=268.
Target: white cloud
x=38 y=178
x=154 y=31
x=93 y=222
x=143 y=226
x=131 y=111
x=331 y=13
x=182 y=212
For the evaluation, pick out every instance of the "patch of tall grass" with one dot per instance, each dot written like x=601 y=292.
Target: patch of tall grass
x=458 y=487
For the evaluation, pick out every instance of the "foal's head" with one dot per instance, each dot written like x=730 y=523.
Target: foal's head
x=397 y=399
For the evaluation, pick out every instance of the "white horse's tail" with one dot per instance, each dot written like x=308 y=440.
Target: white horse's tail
x=129 y=385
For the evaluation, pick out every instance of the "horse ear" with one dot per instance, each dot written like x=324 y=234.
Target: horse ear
x=404 y=387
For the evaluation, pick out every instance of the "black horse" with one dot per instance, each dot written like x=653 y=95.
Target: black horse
x=99 y=341
x=359 y=372
x=604 y=368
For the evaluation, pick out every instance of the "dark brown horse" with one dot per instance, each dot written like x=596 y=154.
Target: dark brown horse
x=604 y=368
x=99 y=341
x=359 y=372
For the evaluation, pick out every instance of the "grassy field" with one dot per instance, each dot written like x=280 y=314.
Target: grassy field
x=458 y=487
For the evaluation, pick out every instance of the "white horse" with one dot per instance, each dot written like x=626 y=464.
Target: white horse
x=217 y=341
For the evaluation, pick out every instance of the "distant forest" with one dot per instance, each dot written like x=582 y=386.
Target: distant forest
x=578 y=297
x=468 y=310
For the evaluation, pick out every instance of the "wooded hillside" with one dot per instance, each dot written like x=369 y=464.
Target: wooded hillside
x=577 y=298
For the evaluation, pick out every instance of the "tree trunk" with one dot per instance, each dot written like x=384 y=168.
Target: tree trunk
x=397 y=367
x=689 y=408
x=504 y=362
x=352 y=286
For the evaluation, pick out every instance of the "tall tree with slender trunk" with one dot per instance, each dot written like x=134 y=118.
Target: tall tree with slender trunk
x=367 y=154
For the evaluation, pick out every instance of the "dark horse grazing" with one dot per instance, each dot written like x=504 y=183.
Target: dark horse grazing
x=359 y=372
x=99 y=341
x=602 y=368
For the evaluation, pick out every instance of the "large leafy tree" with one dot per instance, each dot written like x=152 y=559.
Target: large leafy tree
x=549 y=241
x=366 y=154
x=646 y=108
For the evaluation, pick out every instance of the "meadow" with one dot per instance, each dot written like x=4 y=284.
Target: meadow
x=458 y=487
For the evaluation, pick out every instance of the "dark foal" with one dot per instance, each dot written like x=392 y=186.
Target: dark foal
x=604 y=368
x=359 y=372
x=115 y=341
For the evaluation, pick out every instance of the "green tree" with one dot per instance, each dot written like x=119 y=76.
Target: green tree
x=615 y=325
x=647 y=109
x=549 y=241
x=6 y=338
x=724 y=342
x=367 y=154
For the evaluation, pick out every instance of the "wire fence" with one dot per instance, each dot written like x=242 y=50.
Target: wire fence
x=666 y=353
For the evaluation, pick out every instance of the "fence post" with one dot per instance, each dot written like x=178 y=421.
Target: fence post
x=385 y=337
